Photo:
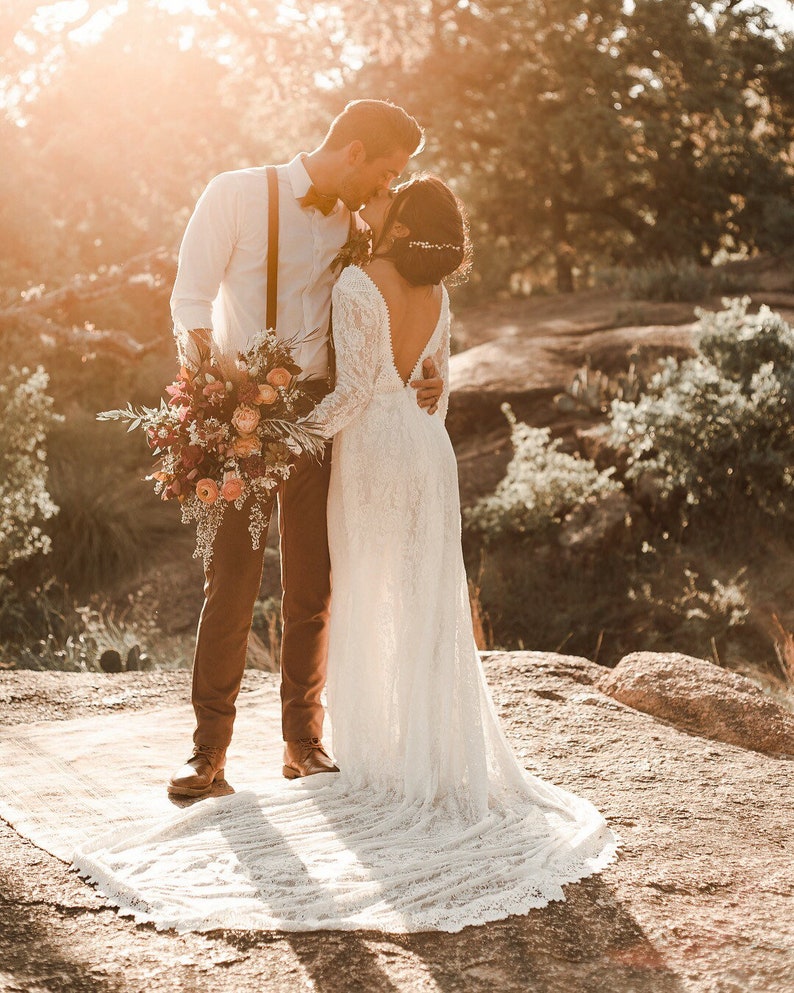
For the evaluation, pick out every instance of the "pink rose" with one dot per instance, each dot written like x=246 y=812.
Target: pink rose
x=214 y=389
x=266 y=394
x=245 y=419
x=207 y=490
x=232 y=487
x=279 y=377
x=243 y=447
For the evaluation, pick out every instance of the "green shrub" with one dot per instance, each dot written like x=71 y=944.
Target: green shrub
x=679 y=280
x=45 y=629
x=110 y=521
x=719 y=427
x=25 y=502
x=676 y=281
x=541 y=485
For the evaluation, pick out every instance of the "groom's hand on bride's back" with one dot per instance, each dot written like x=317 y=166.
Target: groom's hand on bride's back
x=429 y=388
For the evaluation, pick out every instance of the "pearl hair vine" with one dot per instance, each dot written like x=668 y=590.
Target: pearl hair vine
x=429 y=244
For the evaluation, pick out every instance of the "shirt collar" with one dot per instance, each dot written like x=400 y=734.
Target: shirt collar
x=300 y=180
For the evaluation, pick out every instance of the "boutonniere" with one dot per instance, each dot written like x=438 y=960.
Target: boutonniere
x=355 y=251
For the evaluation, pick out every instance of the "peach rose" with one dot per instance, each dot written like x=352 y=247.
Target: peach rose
x=207 y=490
x=243 y=447
x=245 y=419
x=279 y=377
x=232 y=487
x=266 y=394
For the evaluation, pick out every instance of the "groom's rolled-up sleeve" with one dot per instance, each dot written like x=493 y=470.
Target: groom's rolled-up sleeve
x=204 y=254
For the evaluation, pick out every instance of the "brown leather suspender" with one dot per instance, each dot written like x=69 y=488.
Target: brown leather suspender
x=272 y=248
x=272 y=267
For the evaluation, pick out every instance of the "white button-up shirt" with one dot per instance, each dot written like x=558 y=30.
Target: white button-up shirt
x=221 y=282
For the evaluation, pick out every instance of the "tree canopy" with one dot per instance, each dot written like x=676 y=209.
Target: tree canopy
x=580 y=134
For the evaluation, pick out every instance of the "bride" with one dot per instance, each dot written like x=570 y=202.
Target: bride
x=431 y=824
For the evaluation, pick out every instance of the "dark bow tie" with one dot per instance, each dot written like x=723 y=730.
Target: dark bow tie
x=315 y=199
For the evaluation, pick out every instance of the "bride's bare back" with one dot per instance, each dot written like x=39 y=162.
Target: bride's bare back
x=413 y=314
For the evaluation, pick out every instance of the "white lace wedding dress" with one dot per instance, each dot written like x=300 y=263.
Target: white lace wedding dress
x=431 y=824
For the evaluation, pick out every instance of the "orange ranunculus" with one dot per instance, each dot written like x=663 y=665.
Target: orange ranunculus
x=245 y=419
x=244 y=447
x=279 y=377
x=232 y=487
x=207 y=490
x=266 y=394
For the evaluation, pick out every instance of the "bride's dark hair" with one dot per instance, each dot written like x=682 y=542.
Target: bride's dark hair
x=438 y=244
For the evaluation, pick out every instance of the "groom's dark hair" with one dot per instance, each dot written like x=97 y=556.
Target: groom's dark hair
x=380 y=126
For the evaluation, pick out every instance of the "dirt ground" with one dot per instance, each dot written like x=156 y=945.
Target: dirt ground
x=700 y=900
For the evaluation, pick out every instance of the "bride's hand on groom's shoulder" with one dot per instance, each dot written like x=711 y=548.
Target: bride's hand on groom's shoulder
x=429 y=388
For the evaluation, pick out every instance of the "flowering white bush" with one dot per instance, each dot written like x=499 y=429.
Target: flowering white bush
x=25 y=503
x=541 y=485
x=720 y=425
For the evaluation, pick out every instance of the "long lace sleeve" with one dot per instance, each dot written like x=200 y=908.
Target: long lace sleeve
x=355 y=321
x=441 y=358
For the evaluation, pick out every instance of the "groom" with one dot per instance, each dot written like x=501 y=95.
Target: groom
x=218 y=302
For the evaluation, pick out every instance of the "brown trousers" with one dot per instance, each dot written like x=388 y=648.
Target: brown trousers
x=231 y=587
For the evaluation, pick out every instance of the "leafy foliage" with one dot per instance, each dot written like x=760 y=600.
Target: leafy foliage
x=540 y=485
x=687 y=109
x=677 y=280
x=25 y=503
x=719 y=427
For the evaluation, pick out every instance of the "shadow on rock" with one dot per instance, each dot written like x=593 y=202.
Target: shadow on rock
x=589 y=942
x=33 y=957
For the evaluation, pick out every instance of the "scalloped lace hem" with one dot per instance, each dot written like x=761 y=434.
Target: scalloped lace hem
x=290 y=862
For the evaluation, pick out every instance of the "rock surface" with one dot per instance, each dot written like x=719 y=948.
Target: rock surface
x=527 y=367
x=529 y=371
x=699 y=900
x=700 y=697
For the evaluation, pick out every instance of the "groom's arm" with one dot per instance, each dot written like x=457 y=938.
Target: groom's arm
x=430 y=388
x=204 y=254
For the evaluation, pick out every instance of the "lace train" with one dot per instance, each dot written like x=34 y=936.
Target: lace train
x=310 y=856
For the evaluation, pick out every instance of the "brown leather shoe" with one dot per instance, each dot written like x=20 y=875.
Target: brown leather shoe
x=196 y=777
x=306 y=757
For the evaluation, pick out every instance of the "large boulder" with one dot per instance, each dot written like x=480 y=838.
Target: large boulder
x=699 y=697
x=527 y=370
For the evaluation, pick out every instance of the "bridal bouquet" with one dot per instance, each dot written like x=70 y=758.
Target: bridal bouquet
x=219 y=443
